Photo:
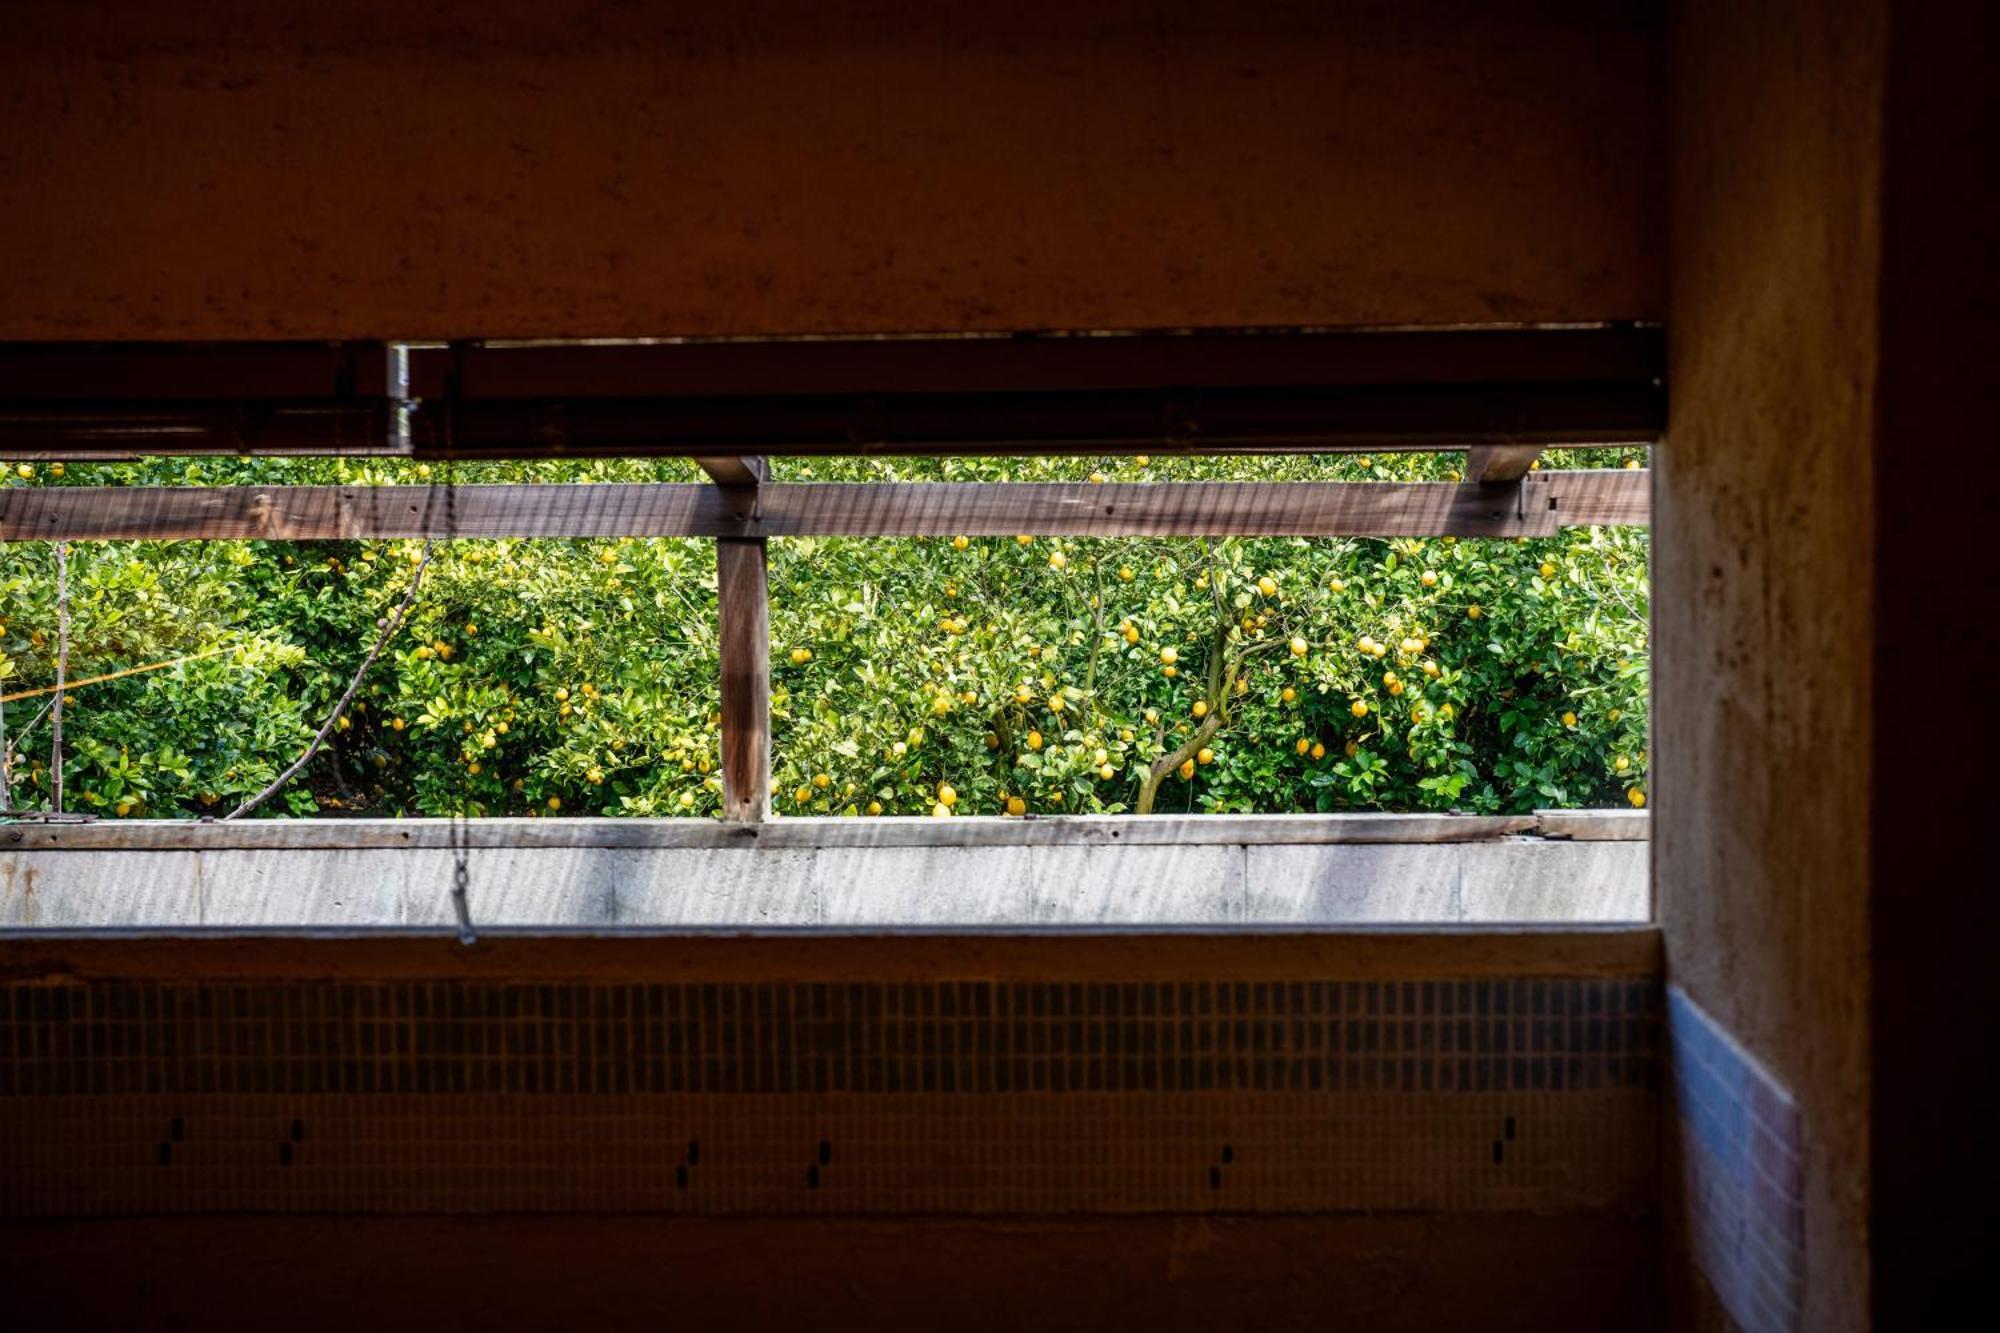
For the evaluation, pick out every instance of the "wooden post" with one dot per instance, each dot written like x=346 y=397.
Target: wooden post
x=1495 y=465
x=743 y=602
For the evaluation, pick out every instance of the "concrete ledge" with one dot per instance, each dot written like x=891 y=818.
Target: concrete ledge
x=1331 y=870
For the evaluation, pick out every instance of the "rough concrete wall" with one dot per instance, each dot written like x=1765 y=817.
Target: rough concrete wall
x=244 y=169
x=1763 y=601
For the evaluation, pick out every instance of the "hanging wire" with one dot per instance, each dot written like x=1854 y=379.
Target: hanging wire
x=62 y=679
x=461 y=822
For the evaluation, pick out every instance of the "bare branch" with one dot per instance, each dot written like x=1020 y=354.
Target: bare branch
x=389 y=628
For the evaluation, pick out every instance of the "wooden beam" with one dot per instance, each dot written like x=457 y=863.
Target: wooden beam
x=1543 y=503
x=112 y=400
x=735 y=470
x=1493 y=464
x=1168 y=423
x=742 y=586
x=1244 y=391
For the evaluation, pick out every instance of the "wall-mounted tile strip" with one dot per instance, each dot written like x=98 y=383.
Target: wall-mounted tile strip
x=977 y=1096
x=1742 y=1166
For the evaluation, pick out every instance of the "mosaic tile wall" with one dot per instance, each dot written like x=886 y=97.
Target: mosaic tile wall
x=469 y=1096
x=1743 y=1172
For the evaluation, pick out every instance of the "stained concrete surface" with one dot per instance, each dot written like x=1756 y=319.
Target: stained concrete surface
x=1219 y=883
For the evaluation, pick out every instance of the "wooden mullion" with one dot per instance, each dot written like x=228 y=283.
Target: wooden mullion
x=743 y=604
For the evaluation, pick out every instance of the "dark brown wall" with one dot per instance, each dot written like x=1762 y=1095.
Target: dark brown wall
x=1763 y=604
x=1581 y=1266
x=1199 y=1274
x=1935 y=1163
x=241 y=169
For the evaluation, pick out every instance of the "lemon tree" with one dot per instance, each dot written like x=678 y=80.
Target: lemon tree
x=948 y=676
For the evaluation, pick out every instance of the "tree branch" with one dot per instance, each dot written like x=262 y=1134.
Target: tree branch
x=389 y=629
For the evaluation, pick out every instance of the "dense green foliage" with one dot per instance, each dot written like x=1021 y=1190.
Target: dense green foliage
x=1046 y=676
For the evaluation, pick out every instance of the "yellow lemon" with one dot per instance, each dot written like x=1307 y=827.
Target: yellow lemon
x=1098 y=478
x=1473 y=612
x=1318 y=750
x=1204 y=755
x=940 y=811
x=1638 y=797
x=1288 y=694
x=1025 y=539
x=1125 y=574
x=1169 y=656
x=1105 y=771
x=947 y=794
x=1359 y=708
x=1034 y=740
x=1268 y=586
x=1621 y=763
x=1298 y=647
x=1200 y=708
x=1058 y=560
x=801 y=656
x=960 y=543
x=1569 y=719
x=1304 y=745
x=1547 y=571
x=1187 y=769
x=1428 y=578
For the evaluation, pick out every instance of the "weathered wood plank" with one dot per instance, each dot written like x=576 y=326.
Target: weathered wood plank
x=743 y=599
x=807 y=834
x=1594 y=825
x=1540 y=505
x=1492 y=464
